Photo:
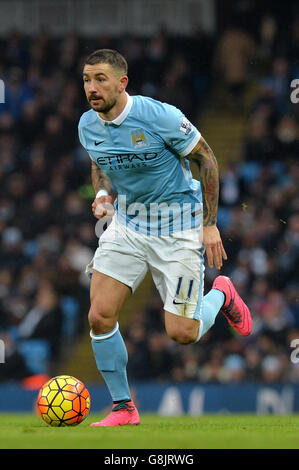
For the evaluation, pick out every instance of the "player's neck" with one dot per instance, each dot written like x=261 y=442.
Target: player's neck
x=117 y=109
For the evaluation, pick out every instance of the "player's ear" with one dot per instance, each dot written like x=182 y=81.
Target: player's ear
x=123 y=82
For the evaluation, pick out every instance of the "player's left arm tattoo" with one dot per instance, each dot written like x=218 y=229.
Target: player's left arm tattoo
x=204 y=157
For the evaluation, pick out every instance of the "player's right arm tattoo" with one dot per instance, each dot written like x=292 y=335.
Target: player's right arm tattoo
x=99 y=179
x=204 y=157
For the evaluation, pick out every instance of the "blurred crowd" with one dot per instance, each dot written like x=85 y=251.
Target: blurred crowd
x=48 y=232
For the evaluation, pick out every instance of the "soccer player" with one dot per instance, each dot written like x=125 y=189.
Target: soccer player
x=162 y=219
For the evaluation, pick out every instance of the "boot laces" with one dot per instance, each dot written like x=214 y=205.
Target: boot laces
x=124 y=406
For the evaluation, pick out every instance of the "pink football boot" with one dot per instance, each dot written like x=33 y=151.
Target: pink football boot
x=121 y=414
x=235 y=310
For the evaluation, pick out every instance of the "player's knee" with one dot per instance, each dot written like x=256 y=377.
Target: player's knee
x=101 y=319
x=182 y=336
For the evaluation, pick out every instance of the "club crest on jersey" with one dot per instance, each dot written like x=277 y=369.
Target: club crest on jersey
x=138 y=139
x=186 y=126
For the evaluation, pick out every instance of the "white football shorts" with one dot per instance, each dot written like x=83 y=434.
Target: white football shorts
x=176 y=263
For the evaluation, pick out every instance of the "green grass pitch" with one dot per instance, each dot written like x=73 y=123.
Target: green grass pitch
x=28 y=431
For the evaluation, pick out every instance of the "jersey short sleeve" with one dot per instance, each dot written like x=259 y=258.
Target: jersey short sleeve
x=176 y=130
x=82 y=137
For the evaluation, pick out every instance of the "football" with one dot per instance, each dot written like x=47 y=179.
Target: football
x=63 y=401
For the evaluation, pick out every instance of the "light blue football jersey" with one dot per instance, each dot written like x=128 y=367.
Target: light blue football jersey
x=143 y=153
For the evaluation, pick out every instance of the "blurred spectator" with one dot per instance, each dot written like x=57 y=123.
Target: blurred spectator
x=234 y=369
x=233 y=52
x=267 y=37
x=15 y=366
x=213 y=370
x=252 y=364
x=271 y=370
x=277 y=84
x=43 y=320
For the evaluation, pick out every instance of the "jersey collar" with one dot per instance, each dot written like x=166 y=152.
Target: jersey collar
x=122 y=116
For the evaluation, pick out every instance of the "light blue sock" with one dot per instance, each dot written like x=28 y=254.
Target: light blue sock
x=111 y=357
x=212 y=303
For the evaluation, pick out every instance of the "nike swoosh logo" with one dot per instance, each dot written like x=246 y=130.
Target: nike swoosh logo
x=178 y=303
x=98 y=143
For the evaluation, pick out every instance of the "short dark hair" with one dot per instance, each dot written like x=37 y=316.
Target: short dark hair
x=108 y=56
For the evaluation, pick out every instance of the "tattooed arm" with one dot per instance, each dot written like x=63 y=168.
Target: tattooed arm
x=101 y=206
x=204 y=157
x=99 y=179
